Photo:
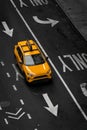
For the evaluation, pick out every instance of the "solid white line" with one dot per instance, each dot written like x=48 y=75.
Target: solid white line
x=14 y=87
x=28 y=26
x=22 y=102
x=57 y=72
x=8 y=75
x=6 y=121
x=69 y=91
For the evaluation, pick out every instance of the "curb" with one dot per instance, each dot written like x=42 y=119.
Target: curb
x=68 y=15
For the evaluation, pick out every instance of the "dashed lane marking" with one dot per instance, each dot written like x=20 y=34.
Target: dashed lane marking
x=29 y=116
x=57 y=72
x=22 y=102
x=0 y=108
x=2 y=63
x=14 y=87
x=6 y=121
x=8 y=75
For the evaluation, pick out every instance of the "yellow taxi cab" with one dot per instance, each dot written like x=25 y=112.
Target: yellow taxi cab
x=32 y=61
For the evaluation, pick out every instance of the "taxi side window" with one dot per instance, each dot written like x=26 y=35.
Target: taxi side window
x=20 y=53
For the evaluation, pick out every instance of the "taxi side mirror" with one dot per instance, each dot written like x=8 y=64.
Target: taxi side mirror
x=46 y=58
x=20 y=62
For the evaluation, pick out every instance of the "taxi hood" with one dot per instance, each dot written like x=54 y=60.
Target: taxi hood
x=38 y=69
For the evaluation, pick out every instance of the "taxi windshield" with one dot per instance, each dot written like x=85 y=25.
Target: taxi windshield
x=30 y=60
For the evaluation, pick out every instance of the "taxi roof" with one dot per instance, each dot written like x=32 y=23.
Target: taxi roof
x=28 y=47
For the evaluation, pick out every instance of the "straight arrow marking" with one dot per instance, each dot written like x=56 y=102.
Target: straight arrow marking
x=51 y=108
x=7 y=30
x=48 y=101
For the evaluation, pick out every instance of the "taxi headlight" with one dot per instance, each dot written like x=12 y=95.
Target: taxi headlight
x=49 y=71
x=30 y=74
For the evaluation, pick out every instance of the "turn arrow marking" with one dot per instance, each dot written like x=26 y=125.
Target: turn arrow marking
x=7 y=30
x=48 y=21
x=50 y=108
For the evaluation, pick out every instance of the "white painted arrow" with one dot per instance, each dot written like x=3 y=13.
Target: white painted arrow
x=7 y=30
x=48 y=21
x=50 y=108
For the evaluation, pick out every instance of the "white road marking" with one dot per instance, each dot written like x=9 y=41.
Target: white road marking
x=16 y=118
x=57 y=72
x=8 y=75
x=29 y=116
x=64 y=65
x=83 y=87
x=51 y=108
x=2 y=63
x=0 y=108
x=22 y=102
x=17 y=73
x=22 y=4
x=14 y=113
x=14 y=87
x=6 y=121
x=52 y=22
x=7 y=30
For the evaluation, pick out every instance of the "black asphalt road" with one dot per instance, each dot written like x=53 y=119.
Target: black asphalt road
x=22 y=104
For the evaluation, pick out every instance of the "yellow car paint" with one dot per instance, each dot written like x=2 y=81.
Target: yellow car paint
x=32 y=61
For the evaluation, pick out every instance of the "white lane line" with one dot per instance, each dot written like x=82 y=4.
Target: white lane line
x=0 y=108
x=8 y=75
x=28 y=27
x=14 y=87
x=57 y=72
x=22 y=102
x=6 y=121
x=2 y=63
x=29 y=116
